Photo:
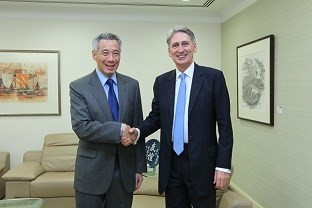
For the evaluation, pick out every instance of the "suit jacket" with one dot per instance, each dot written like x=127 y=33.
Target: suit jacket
x=99 y=135
x=208 y=105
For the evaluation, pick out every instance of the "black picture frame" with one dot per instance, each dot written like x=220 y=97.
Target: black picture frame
x=255 y=80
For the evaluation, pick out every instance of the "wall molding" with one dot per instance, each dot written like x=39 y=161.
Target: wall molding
x=254 y=203
x=124 y=13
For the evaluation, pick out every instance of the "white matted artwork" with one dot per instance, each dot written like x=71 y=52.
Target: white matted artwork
x=255 y=80
x=29 y=83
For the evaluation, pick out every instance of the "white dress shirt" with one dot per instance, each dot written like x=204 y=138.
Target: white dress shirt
x=188 y=82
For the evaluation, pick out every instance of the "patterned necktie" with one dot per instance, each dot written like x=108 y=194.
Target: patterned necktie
x=178 y=128
x=112 y=100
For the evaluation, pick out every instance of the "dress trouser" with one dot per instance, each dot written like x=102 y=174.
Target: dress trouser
x=115 y=197
x=180 y=191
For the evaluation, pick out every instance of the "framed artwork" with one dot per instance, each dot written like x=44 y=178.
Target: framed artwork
x=255 y=80
x=30 y=83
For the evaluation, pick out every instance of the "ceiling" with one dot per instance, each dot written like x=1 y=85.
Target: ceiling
x=212 y=4
x=161 y=10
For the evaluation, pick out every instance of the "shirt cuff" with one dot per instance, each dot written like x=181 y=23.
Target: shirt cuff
x=121 y=129
x=223 y=170
x=138 y=137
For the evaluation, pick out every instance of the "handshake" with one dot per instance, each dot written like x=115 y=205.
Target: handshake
x=129 y=135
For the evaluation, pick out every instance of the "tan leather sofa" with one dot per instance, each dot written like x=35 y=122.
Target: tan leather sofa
x=148 y=197
x=46 y=173
x=49 y=174
x=4 y=167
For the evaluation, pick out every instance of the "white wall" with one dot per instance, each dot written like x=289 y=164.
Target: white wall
x=274 y=164
x=144 y=56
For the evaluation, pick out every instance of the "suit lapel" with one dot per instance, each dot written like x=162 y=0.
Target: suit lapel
x=171 y=92
x=197 y=82
x=99 y=95
x=122 y=96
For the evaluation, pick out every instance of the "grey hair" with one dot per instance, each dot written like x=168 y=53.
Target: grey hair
x=105 y=36
x=180 y=29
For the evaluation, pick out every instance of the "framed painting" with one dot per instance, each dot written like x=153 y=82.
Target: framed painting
x=30 y=83
x=255 y=80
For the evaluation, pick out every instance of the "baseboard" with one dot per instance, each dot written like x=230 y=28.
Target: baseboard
x=254 y=203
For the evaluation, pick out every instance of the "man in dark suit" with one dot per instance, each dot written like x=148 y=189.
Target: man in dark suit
x=190 y=173
x=104 y=104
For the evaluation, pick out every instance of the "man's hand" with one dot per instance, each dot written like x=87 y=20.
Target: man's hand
x=221 y=179
x=138 y=180
x=128 y=135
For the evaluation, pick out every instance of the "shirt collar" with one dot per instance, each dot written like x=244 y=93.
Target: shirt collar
x=189 y=72
x=104 y=78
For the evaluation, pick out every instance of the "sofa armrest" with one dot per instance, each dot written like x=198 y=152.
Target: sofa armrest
x=26 y=171
x=32 y=156
x=4 y=168
x=5 y=160
x=233 y=199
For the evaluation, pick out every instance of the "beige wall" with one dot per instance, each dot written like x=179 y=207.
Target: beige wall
x=274 y=164
x=144 y=56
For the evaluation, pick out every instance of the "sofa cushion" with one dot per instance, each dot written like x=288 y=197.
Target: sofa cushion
x=147 y=195
x=149 y=186
x=59 y=152
x=53 y=184
x=146 y=201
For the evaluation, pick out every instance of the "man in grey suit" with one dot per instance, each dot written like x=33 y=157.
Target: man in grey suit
x=188 y=103
x=104 y=104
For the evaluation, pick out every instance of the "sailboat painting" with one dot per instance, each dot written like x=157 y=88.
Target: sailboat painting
x=23 y=82
x=29 y=82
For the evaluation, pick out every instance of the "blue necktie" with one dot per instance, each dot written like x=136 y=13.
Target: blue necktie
x=178 y=128
x=112 y=100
